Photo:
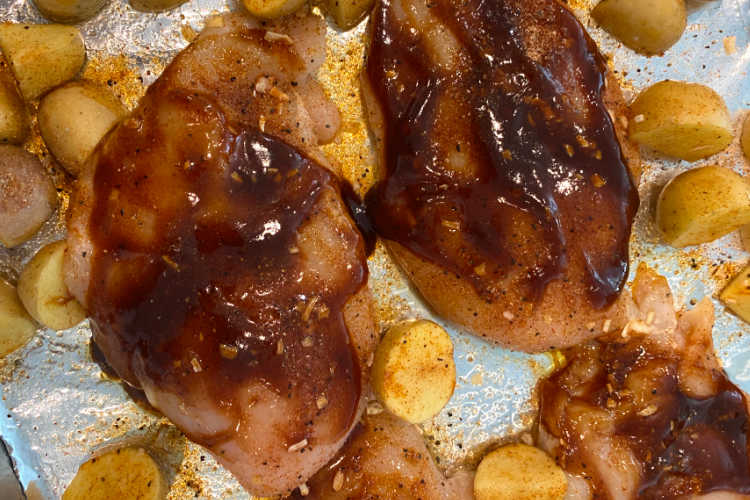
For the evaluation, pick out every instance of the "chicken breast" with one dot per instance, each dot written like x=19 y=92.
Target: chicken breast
x=648 y=412
x=386 y=459
x=221 y=269
x=506 y=195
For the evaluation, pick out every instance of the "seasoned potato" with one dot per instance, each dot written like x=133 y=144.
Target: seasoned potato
x=701 y=205
x=270 y=9
x=14 y=121
x=124 y=473
x=155 y=5
x=683 y=120
x=74 y=118
x=745 y=139
x=69 y=11
x=16 y=326
x=42 y=290
x=42 y=56
x=519 y=472
x=646 y=26
x=736 y=295
x=348 y=13
x=27 y=196
x=413 y=373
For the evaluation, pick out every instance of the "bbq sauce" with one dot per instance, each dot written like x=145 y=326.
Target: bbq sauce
x=683 y=445
x=501 y=160
x=199 y=278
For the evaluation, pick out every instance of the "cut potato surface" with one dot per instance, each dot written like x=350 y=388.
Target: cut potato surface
x=27 y=195
x=14 y=121
x=701 y=205
x=413 y=373
x=745 y=139
x=646 y=26
x=271 y=9
x=42 y=56
x=519 y=472
x=126 y=473
x=43 y=292
x=69 y=11
x=348 y=13
x=74 y=118
x=16 y=326
x=683 y=120
x=736 y=295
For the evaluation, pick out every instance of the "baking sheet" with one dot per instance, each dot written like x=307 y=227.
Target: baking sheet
x=58 y=407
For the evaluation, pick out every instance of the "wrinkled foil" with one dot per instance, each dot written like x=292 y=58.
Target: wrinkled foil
x=59 y=408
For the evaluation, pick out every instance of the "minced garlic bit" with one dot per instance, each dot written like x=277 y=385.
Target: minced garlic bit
x=607 y=325
x=263 y=85
x=338 y=480
x=228 y=351
x=272 y=36
x=293 y=250
x=374 y=408
x=598 y=181
x=280 y=347
x=297 y=446
x=569 y=149
x=321 y=402
x=309 y=309
x=451 y=224
x=278 y=94
x=648 y=411
x=171 y=263
x=481 y=269
x=730 y=45
x=307 y=341
x=262 y=123
x=508 y=315
x=236 y=177
x=196 y=365
x=304 y=490
x=639 y=118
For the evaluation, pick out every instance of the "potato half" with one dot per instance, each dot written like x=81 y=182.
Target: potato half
x=69 y=11
x=16 y=326
x=736 y=295
x=646 y=26
x=74 y=118
x=42 y=290
x=271 y=9
x=348 y=13
x=519 y=472
x=124 y=473
x=684 y=120
x=701 y=205
x=413 y=373
x=14 y=121
x=42 y=56
x=745 y=139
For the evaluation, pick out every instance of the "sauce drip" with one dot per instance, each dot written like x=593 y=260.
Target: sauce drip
x=501 y=159
x=199 y=276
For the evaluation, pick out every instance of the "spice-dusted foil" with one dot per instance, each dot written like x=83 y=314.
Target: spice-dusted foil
x=58 y=407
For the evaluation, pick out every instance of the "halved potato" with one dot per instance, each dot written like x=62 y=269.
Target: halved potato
x=74 y=118
x=701 y=205
x=271 y=9
x=27 y=195
x=519 y=472
x=42 y=290
x=348 y=13
x=124 y=473
x=69 y=11
x=736 y=295
x=684 y=120
x=16 y=326
x=646 y=26
x=413 y=373
x=745 y=139
x=14 y=121
x=155 y=5
x=42 y=56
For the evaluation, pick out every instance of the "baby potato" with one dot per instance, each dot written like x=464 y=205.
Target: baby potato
x=16 y=326
x=701 y=205
x=519 y=472
x=745 y=139
x=348 y=13
x=736 y=295
x=14 y=121
x=27 y=196
x=413 y=373
x=74 y=118
x=69 y=11
x=271 y=9
x=42 y=290
x=124 y=473
x=684 y=120
x=646 y=26
x=155 y=5
x=42 y=56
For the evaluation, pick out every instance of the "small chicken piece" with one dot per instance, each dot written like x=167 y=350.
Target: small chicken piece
x=27 y=195
x=222 y=271
x=385 y=459
x=647 y=412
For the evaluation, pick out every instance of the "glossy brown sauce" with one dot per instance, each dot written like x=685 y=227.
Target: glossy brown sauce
x=543 y=164
x=198 y=277
x=684 y=445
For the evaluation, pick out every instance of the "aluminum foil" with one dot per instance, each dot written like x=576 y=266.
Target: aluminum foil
x=58 y=407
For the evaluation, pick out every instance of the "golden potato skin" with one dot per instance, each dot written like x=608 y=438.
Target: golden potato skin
x=745 y=138
x=701 y=205
x=519 y=472
x=74 y=118
x=646 y=26
x=42 y=290
x=736 y=295
x=42 y=56
x=69 y=11
x=16 y=326
x=413 y=373
x=124 y=473
x=679 y=119
x=271 y=9
x=348 y=13
x=14 y=120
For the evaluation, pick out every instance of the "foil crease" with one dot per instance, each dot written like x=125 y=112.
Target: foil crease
x=59 y=408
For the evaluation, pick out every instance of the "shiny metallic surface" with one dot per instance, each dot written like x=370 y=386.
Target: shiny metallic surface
x=58 y=407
